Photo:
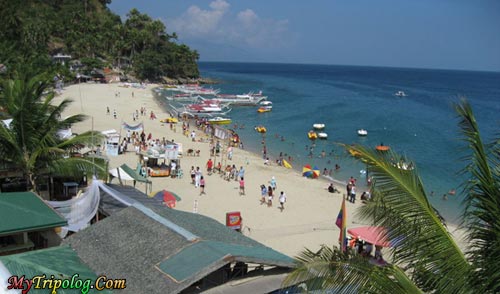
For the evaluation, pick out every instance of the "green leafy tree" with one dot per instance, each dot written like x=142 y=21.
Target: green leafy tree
x=427 y=260
x=30 y=144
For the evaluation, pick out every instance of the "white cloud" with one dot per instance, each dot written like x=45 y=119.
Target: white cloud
x=219 y=5
x=247 y=17
x=196 y=21
x=218 y=24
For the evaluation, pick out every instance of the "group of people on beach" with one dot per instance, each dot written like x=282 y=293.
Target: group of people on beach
x=197 y=179
x=267 y=194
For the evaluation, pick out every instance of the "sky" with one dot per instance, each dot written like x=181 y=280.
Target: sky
x=443 y=34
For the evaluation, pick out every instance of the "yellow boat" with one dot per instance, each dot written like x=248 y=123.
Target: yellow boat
x=169 y=120
x=286 y=164
x=312 y=135
x=263 y=109
x=260 y=129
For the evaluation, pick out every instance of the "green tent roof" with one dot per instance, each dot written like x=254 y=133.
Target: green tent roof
x=61 y=262
x=134 y=174
x=24 y=212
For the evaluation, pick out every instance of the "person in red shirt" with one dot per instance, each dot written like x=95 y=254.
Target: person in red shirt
x=210 y=165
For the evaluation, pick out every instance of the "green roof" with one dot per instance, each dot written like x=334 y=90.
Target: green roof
x=24 y=212
x=61 y=262
x=205 y=254
x=134 y=174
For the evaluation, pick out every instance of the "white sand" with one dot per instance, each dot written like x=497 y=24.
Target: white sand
x=310 y=211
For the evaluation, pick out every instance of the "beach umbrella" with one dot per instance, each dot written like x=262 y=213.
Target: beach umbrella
x=315 y=172
x=307 y=171
x=166 y=197
x=374 y=235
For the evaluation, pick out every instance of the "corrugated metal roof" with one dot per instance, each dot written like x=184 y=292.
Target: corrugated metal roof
x=24 y=212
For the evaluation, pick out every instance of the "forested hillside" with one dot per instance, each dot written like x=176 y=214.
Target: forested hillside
x=88 y=31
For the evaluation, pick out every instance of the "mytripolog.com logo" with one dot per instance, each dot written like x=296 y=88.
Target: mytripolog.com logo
x=53 y=284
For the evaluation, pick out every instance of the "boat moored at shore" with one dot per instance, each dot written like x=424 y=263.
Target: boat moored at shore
x=219 y=121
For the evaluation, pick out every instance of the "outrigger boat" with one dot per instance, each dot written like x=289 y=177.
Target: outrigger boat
x=243 y=99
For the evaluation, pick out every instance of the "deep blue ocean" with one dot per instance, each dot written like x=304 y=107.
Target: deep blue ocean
x=422 y=126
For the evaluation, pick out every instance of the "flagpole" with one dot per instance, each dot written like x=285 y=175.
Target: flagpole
x=342 y=224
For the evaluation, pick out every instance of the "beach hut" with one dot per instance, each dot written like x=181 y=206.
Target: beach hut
x=112 y=142
x=27 y=222
x=374 y=235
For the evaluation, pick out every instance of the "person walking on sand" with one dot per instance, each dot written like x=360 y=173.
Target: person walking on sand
x=263 y=194
x=282 y=201
x=230 y=153
x=241 y=172
x=210 y=165
x=197 y=177
x=107 y=110
x=202 y=185
x=269 y=196
x=193 y=173
x=242 y=186
x=114 y=113
x=273 y=183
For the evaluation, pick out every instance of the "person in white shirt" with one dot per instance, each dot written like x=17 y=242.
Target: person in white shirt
x=282 y=200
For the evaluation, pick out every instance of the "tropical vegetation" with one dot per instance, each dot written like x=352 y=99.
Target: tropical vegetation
x=88 y=31
x=30 y=144
x=427 y=259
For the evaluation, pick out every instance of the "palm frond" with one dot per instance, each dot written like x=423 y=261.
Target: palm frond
x=482 y=209
x=330 y=270
x=400 y=204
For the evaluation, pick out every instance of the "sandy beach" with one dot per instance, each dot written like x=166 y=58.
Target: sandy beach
x=308 y=219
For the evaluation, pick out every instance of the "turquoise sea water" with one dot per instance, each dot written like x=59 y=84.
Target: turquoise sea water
x=421 y=126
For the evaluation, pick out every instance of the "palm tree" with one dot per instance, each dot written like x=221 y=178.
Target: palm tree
x=30 y=144
x=427 y=260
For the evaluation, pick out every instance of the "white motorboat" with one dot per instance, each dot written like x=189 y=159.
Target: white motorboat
x=318 y=126
x=362 y=132
x=323 y=136
x=400 y=94
x=219 y=121
x=265 y=106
